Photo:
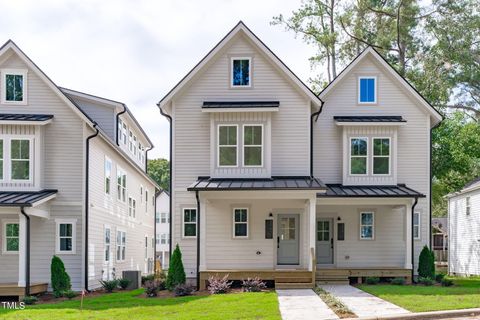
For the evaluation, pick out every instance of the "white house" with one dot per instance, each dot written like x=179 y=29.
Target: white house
x=464 y=230
x=162 y=220
x=73 y=183
x=270 y=179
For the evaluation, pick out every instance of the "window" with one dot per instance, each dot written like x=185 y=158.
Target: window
x=1 y=159
x=189 y=223
x=323 y=230
x=65 y=236
x=14 y=84
x=366 y=226
x=132 y=207
x=241 y=72
x=341 y=231
x=367 y=90
x=358 y=156
x=252 y=145
x=121 y=245
x=157 y=239
x=146 y=200
x=381 y=156
x=107 y=244
x=164 y=218
x=124 y=133
x=227 y=145
x=146 y=247
x=163 y=239
x=157 y=217
x=20 y=159
x=140 y=148
x=134 y=145
x=130 y=141
x=119 y=130
x=240 y=223
x=121 y=185
x=11 y=237
x=416 y=225
x=108 y=175
x=468 y=206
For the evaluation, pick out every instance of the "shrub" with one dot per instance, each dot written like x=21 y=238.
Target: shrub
x=151 y=288
x=218 y=285
x=253 y=285
x=58 y=294
x=446 y=282
x=439 y=277
x=109 y=285
x=123 y=283
x=161 y=275
x=29 y=300
x=398 y=281
x=182 y=290
x=150 y=277
x=425 y=281
x=176 y=273
x=161 y=285
x=70 y=294
x=59 y=277
x=426 y=264
x=372 y=280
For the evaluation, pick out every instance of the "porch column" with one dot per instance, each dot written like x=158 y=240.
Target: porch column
x=22 y=250
x=312 y=204
x=408 y=236
x=203 y=234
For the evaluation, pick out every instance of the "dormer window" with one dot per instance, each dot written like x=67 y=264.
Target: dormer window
x=241 y=72
x=13 y=86
x=367 y=90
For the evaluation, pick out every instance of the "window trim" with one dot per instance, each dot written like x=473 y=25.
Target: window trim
x=218 y=146
x=419 y=236
x=253 y=145
x=132 y=207
x=21 y=72
x=117 y=244
x=4 y=236
x=361 y=225
x=107 y=160
x=367 y=156
x=58 y=222
x=105 y=227
x=375 y=100
x=234 y=223
x=183 y=223
x=468 y=205
x=31 y=160
x=389 y=157
x=119 y=194
x=232 y=59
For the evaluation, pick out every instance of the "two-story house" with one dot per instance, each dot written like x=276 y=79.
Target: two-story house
x=73 y=183
x=271 y=180
x=162 y=220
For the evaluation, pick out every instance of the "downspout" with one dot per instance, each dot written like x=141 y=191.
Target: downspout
x=27 y=253
x=413 y=239
x=118 y=118
x=314 y=115
x=430 y=191
x=155 y=235
x=146 y=158
x=87 y=169
x=198 y=239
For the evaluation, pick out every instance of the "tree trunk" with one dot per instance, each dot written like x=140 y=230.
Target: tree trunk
x=332 y=32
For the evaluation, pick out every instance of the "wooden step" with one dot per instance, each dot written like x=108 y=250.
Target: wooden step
x=293 y=279
x=334 y=281
x=289 y=285
x=330 y=276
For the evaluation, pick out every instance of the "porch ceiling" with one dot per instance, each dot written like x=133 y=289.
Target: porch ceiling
x=274 y=183
x=24 y=198
x=393 y=191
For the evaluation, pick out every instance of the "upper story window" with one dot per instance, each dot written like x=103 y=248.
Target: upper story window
x=367 y=90
x=124 y=133
x=227 y=145
x=358 y=156
x=13 y=88
x=130 y=141
x=132 y=207
x=363 y=159
x=134 y=145
x=20 y=159
x=108 y=175
x=468 y=206
x=241 y=72
x=381 y=156
x=252 y=145
x=121 y=185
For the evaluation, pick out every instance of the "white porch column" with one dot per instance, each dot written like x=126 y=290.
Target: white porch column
x=22 y=248
x=203 y=234
x=408 y=236
x=312 y=203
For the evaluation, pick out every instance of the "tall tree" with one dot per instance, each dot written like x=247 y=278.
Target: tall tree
x=159 y=170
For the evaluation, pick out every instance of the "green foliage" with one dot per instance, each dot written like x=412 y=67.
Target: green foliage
x=109 y=285
x=146 y=278
x=176 y=273
x=398 y=281
x=123 y=283
x=182 y=290
x=446 y=282
x=439 y=277
x=59 y=277
x=29 y=300
x=426 y=264
x=425 y=281
x=372 y=280
x=159 y=170
x=70 y=294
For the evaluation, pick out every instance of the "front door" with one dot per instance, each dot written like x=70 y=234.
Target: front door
x=324 y=241
x=288 y=239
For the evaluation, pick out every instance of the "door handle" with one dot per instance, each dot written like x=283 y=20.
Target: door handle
x=278 y=242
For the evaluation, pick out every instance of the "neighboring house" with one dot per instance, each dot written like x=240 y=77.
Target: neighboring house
x=464 y=230
x=270 y=179
x=72 y=183
x=162 y=218
x=440 y=239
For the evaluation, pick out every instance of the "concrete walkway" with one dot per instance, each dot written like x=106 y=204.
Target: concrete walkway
x=303 y=304
x=361 y=303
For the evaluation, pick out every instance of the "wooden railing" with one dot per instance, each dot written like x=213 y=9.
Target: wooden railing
x=314 y=265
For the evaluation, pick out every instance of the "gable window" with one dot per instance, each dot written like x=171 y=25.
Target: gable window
x=132 y=207
x=358 y=156
x=121 y=245
x=11 y=237
x=252 y=145
x=241 y=72
x=468 y=206
x=227 y=145
x=14 y=86
x=416 y=225
x=20 y=159
x=367 y=90
x=367 y=226
x=107 y=244
x=121 y=185
x=108 y=175
x=189 y=223
x=65 y=236
x=381 y=156
x=240 y=223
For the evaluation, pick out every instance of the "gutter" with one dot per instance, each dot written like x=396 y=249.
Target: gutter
x=413 y=239
x=314 y=115
x=118 y=118
x=198 y=239
x=146 y=159
x=27 y=253
x=87 y=169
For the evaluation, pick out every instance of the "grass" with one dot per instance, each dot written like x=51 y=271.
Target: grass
x=463 y=295
x=127 y=305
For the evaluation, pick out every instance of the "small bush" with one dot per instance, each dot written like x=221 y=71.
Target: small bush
x=439 y=277
x=151 y=288
x=70 y=294
x=161 y=275
x=398 y=281
x=218 y=285
x=426 y=264
x=123 y=283
x=253 y=285
x=446 y=282
x=182 y=290
x=372 y=280
x=109 y=285
x=150 y=277
x=29 y=300
x=425 y=281
x=176 y=272
x=59 y=277
x=58 y=294
x=161 y=285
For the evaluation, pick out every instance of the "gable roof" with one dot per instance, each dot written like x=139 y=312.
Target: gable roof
x=371 y=52
x=243 y=29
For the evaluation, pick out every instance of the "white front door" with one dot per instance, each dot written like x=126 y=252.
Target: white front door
x=324 y=241
x=288 y=239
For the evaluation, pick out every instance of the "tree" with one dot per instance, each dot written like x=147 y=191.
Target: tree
x=59 y=277
x=176 y=272
x=159 y=170
x=426 y=263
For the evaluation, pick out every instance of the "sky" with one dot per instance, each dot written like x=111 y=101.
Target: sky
x=136 y=51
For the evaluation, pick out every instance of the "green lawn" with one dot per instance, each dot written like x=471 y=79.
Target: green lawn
x=464 y=294
x=127 y=305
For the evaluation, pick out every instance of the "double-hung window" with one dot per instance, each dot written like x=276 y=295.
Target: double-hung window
x=146 y=200
x=124 y=133
x=416 y=225
x=367 y=90
x=13 y=88
x=107 y=244
x=20 y=159
x=381 y=156
x=121 y=185
x=65 y=236
x=157 y=217
x=119 y=129
x=130 y=141
x=241 y=72
x=163 y=239
x=358 y=156
x=240 y=223
x=121 y=245
x=468 y=206
x=227 y=145
x=11 y=238
x=135 y=145
x=189 y=223
x=163 y=217
x=252 y=145
x=108 y=175
x=157 y=239
x=367 y=227
x=132 y=207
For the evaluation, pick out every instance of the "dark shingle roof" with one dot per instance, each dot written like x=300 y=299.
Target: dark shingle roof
x=240 y=104
x=24 y=117
x=23 y=198
x=274 y=183
x=472 y=183
x=393 y=191
x=369 y=119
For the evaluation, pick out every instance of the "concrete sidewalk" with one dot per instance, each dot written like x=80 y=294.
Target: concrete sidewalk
x=303 y=304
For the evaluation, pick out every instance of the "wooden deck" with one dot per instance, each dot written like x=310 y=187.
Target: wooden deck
x=343 y=275
x=12 y=289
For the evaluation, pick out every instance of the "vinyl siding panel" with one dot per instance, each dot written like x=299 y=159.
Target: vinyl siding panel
x=8 y=262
